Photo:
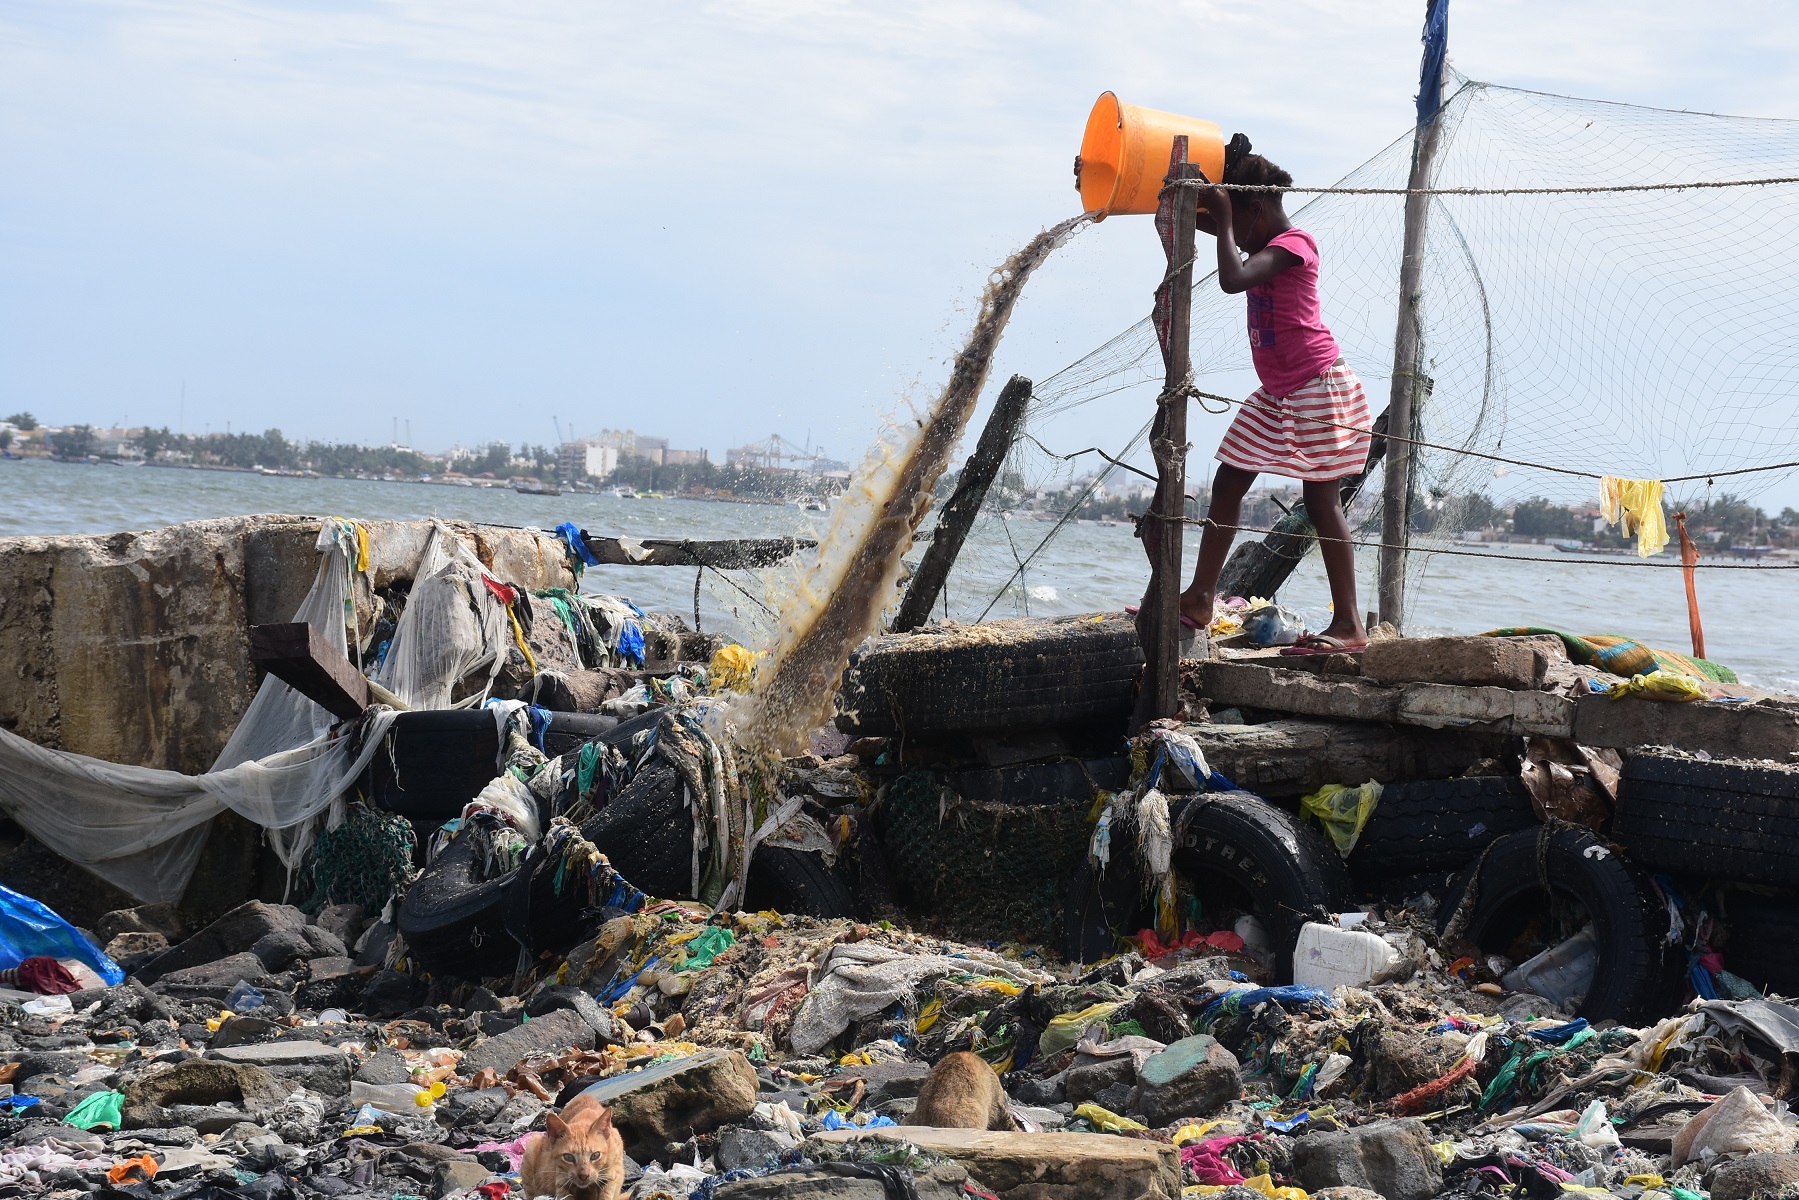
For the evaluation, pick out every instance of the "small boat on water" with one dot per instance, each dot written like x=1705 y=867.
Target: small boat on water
x=625 y=493
x=536 y=489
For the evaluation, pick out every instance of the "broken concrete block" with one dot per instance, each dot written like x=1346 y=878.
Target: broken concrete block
x=551 y=1033
x=1762 y=729
x=1515 y=663
x=1087 y=1080
x=660 y=1107
x=1190 y=1078
x=1754 y=1175
x=1248 y=685
x=1293 y=757
x=1026 y=1166
x=1393 y=1158
x=199 y=1083
x=1445 y=706
x=311 y=1065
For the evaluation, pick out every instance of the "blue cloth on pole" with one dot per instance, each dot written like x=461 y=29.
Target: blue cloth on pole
x=29 y=928
x=630 y=643
x=570 y=533
x=1430 y=72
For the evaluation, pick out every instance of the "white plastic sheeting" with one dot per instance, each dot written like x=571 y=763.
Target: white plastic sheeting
x=142 y=829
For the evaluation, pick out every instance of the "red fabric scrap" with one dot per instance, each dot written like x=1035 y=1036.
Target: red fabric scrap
x=1207 y=1161
x=504 y=592
x=47 y=977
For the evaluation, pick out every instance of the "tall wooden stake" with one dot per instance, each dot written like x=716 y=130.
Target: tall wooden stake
x=958 y=515
x=1159 y=620
x=1404 y=399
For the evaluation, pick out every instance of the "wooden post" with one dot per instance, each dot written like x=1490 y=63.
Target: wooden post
x=1405 y=397
x=1159 y=624
x=958 y=515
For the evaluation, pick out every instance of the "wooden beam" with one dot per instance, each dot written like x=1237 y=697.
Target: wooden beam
x=1409 y=390
x=298 y=655
x=958 y=516
x=1160 y=617
x=736 y=554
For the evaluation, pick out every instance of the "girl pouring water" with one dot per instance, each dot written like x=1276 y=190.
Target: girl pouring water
x=1309 y=419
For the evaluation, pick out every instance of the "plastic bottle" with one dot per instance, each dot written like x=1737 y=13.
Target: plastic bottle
x=1328 y=957
x=1561 y=974
x=396 y=1098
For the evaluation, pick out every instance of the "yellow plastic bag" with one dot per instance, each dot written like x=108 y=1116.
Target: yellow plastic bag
x=1260 y=1183
x=1660 y=685
x=1064 y=1031
x=1636 y=506
x=1343 y=811
x=731 y=668
x=1107 y=1120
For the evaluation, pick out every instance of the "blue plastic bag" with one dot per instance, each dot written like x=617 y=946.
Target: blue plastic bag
x=29 y=929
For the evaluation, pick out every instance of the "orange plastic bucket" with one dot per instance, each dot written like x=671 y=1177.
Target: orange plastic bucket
x=1124 y=154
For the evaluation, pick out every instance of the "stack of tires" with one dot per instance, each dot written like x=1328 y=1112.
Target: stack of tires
x=1734 y=825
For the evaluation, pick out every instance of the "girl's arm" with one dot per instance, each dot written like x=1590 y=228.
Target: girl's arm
x=1235 y=273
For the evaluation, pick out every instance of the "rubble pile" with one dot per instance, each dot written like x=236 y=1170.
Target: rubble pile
x=275 y=1055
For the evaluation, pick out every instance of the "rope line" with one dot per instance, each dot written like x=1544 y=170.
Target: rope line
x=1498 y=458
x=1415 y=547
x=1585 y=190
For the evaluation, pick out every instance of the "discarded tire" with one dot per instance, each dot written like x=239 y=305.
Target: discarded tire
x=453 y=921
x=798 y=882
x=1286 y=870
x=1725 y=820
x=1437 y=825
x=1513 y=884
x=434 y=763
x=1763 y=931
x=1031 y=673
x=646 y=832
x=1101 y=908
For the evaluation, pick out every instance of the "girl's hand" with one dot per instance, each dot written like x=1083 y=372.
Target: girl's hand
x=1216 y=201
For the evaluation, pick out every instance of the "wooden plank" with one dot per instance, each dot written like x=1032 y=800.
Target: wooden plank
x=731 y=555
x=1161 y=612
x=298 y=655
x=958 y=516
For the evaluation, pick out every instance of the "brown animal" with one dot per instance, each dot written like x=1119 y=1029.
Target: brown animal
x=579 y=1156
x=962 y=1092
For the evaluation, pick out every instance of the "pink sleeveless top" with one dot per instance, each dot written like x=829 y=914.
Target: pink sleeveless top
x=1287 y=336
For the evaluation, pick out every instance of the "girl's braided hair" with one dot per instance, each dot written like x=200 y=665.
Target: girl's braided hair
x=1243 y=166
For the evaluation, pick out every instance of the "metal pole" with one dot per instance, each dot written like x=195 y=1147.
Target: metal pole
x=1163 y=528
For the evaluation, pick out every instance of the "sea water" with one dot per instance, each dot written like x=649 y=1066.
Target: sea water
x=1751 y=619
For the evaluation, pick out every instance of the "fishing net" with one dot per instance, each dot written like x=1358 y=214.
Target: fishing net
x=1645 y=334
x=992 y=870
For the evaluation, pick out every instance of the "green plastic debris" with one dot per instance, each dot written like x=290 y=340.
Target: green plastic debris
x=98 y=1111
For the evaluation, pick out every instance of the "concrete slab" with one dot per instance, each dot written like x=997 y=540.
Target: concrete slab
x=1029 y=1166
x=1759 y=729
x=1515 y=663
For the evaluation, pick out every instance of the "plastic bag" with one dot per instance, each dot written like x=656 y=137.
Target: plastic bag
x=1065 y=1030
x=1660 y=685
x=101 y=1109
x=1595 y=1128
x=29 y=928
x=1273 y=625
x=1343 y=811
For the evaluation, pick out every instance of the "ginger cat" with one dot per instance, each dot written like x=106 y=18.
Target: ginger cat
x=579 y=1156
x=962 y=1092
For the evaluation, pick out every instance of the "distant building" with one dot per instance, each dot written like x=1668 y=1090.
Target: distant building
x=588 y=457
x=684 y=458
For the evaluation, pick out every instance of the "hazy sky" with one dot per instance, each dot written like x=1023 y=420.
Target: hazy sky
x=710 y=221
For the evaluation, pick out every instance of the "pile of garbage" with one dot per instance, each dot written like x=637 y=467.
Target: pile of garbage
x=274 y=1054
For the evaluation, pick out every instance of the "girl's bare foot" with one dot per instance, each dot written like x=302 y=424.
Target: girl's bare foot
x=1197 y=607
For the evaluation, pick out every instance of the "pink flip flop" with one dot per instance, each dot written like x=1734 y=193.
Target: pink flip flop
x=1318 y=643
x=1189 y=622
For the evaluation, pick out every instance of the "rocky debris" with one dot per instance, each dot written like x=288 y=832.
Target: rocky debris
x=235 y=933
x=311 y=1065
x=550 y=1034
x=1191 y=1078
x=1754 y=1175
x=176 y=1095
x=1022 y=1166
x=1391 y=1158
x=658 y=1108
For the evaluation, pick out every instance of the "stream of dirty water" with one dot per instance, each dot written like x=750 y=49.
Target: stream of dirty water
x=836 y=600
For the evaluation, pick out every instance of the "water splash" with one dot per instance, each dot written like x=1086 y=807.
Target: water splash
x=836 y=602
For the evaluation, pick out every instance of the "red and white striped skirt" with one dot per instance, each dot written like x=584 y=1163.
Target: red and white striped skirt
x=1287 y=435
